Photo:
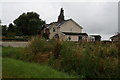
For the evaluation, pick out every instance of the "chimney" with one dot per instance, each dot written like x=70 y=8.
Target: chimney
x=61 y=16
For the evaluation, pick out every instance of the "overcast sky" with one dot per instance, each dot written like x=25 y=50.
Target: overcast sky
x=94 y=16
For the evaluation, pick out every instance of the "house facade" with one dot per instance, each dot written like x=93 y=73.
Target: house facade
x=66 y=30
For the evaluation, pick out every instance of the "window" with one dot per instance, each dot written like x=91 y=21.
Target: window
x=53 y=29
x=56 y=36
x=69 y=38
x=80 y=38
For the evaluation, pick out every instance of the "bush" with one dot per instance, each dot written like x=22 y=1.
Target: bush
x=38 y=46
x=88 y=60
x=97 y=61
x=57 y=48
x=66 y=61
x=68 y=57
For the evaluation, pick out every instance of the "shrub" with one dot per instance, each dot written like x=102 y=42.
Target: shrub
x=57 y=48
x=38 y=46
x=88 y=60
x=67 y=56
x=66 y=61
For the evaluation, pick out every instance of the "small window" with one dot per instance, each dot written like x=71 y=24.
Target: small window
x=80 y=38
x=69 y=38
x=56 y=36
x=53 y=29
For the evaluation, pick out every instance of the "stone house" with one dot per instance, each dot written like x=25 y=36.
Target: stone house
x=66 y=30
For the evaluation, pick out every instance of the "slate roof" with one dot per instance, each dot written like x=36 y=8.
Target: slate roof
x=118 y=35
x=58 y=24
x=73 y=33
x=96 y=36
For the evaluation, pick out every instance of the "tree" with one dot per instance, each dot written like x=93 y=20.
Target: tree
x=28 y=24
x=11 y=28
x=4 y=30
x=0 y=28
x=0 y=22
x=11 y=32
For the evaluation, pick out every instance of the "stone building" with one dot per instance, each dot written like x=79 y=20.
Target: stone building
x=66 y=30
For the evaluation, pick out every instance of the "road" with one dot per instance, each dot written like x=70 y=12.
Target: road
x=13 y=44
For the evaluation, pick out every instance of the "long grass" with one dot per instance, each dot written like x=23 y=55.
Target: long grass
x=12 y=68
x=12 y=52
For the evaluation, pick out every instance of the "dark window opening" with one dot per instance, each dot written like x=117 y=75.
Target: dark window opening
x=56 y=36
x=53 y=29
x=80 y=38
x=69 y=38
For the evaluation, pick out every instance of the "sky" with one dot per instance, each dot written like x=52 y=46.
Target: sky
x=95 y=16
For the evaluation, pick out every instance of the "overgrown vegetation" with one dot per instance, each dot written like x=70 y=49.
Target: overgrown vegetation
x=38 y=47
x=86 y=60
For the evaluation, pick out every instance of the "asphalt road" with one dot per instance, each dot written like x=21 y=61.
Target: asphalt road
x=13 y=44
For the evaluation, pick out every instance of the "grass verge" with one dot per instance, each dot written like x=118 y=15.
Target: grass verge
x=18 y=69
x=12 y=52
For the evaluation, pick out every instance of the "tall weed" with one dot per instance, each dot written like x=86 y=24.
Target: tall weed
x=88 y=60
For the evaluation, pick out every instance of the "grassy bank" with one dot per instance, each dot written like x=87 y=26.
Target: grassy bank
x=12 y=52
x=18 y=69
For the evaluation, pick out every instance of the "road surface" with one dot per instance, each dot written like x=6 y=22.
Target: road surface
x=13 y=44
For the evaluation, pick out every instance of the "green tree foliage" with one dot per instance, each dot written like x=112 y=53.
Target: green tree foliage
x=28 y=24
x=4 y=30
x=0 y=29
x=11 y=32
x=11 y=28
x=0 y=22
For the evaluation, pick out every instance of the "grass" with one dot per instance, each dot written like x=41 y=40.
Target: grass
x=0 y=67
x=12 y=52
x=18 y=69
